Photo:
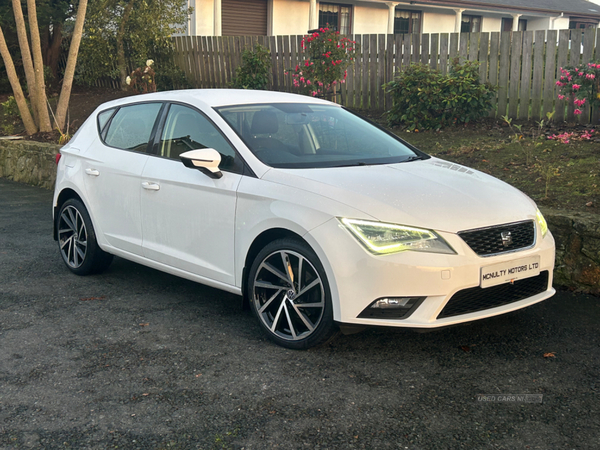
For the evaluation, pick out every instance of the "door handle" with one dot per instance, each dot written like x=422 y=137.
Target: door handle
x=151 y=186
x=92 y=172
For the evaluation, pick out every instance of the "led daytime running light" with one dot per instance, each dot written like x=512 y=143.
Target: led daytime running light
x=382 y=238
x=543 y=224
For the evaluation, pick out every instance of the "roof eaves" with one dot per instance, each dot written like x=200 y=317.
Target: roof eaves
x=501 y=8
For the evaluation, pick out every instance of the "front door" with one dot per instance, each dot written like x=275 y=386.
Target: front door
x=187 y=217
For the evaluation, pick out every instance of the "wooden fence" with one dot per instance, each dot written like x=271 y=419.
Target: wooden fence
x=523 y=65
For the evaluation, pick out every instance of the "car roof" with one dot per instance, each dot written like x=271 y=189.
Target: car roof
x=219 y=97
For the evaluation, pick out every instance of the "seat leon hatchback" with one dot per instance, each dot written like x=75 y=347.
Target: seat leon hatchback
x=314 y=215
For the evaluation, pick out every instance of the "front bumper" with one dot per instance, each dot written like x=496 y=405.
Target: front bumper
x=357 y=277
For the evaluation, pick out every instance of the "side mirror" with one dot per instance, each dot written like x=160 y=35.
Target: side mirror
x=206 y=160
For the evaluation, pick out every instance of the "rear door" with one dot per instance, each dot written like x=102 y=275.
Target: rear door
x=113 y=168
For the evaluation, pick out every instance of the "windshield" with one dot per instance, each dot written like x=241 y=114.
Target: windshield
x=308 y=136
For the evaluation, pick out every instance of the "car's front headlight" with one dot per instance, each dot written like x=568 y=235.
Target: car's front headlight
x=382 y=238
x=542 y=222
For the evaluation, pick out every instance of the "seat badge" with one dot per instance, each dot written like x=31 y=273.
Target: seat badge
x=506 y=238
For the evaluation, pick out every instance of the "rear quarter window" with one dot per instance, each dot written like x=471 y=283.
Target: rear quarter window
x=131 y=126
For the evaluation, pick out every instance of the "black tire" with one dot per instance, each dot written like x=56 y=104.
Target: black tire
x=279 y=293
x=77 y=240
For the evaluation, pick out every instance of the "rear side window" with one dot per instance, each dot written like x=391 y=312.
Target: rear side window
x=103 y=118
x=131 y=127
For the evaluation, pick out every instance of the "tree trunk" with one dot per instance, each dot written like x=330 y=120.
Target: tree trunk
x=65 y=93
x=120 y=47
x=52 y=53
x=26 y=57
x=44 y=117
x=30 y=126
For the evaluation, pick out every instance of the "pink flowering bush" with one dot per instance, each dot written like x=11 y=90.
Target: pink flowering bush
x=327 y=56
x=580 y=85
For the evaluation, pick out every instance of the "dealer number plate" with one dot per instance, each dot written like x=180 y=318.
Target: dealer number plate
x=509 y=271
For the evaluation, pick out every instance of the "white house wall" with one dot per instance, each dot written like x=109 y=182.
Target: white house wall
x=370 y=19
x=491 y=24
x=204 y=12
x=538 y=24
x=438 y=22
x=562 y=23
x=290 y=17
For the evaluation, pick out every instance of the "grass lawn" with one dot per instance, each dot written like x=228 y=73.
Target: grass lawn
x=554 y=174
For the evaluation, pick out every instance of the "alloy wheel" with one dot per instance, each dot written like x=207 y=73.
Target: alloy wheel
x=288 y=295
x=72 y=235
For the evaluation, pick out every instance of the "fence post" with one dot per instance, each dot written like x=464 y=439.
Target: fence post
x=515 y=73
x=526 y=75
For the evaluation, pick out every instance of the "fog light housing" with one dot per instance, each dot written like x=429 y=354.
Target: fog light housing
x=391 y=308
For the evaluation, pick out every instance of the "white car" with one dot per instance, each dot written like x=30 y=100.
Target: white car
x=315 y=216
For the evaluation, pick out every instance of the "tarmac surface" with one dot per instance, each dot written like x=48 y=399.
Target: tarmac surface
x=135 y=358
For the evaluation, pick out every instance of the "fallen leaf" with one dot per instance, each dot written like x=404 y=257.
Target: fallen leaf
x=550 y=355
x=588 y=204
x=465 y=348
x=144 y=324
x=145 y=395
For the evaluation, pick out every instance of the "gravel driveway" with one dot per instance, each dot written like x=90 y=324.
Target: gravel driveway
x=135 y=358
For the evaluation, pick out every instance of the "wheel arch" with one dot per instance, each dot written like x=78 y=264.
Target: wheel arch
x=259 y=242
x=65 y=194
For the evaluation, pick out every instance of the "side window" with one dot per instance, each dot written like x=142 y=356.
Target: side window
x=103 y=118
x=131 y=126
x=186 y=129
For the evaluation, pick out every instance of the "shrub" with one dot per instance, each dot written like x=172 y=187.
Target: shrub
x=580 y=85
x=255 y=69
x=424 y=98
x=9 y=116
x=327 y=58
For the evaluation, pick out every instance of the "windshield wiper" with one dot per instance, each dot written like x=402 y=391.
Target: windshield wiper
x=413 y=158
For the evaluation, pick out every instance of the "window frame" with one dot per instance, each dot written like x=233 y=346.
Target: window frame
x=471 y=17
x=508 y=22
x=410 y=20
x=102 y=133
x=339 y=13
x=577 y=21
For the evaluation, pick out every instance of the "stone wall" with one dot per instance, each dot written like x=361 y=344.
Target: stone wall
x=577 y=238
x=29 y=162
x=577 y=235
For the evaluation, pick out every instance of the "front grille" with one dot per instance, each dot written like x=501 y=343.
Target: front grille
x=501 y=238
x=479 y=299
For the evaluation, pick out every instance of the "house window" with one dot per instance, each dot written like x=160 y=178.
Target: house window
x=337 y=16
x=406 y=22
x=507 y=24
x=470 y=24
x=577 y=23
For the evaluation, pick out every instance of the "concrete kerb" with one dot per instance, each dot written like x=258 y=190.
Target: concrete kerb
x=577 y=234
